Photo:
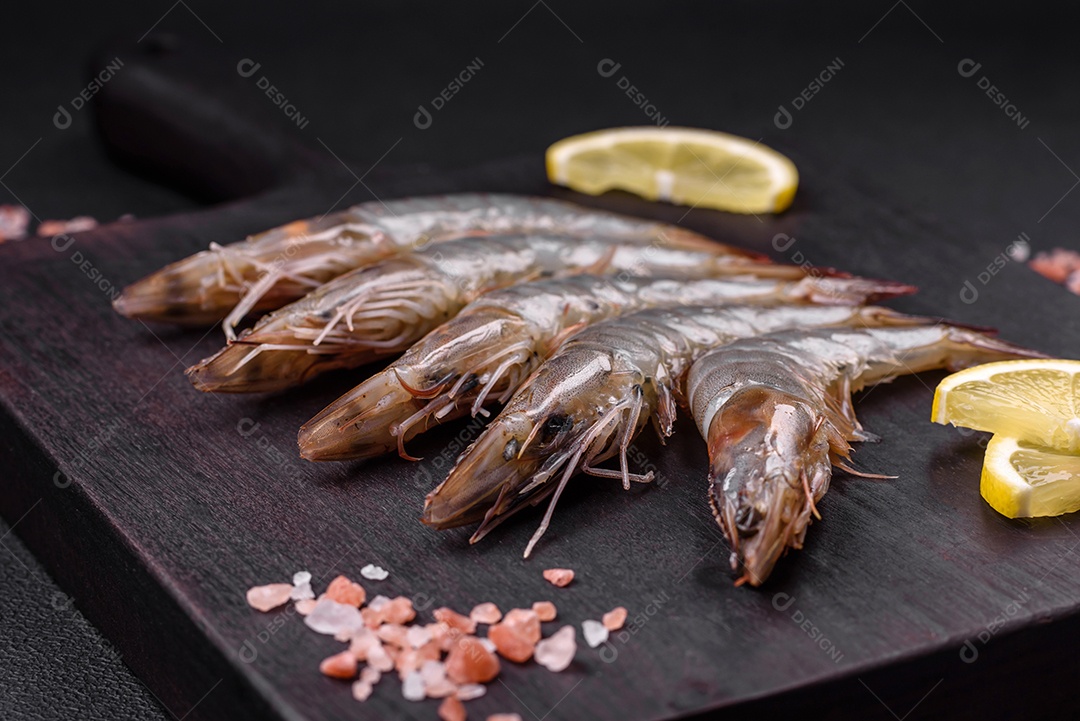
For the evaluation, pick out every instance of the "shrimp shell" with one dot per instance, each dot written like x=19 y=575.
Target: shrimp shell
x=268 y=270
x=588 y=401
x=382 y=308
x=777 y=414
x=485 y=353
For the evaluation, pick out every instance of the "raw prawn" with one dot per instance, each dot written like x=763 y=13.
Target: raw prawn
x=587 y=402
x=383 y=308
x=483 y=355
x=268 y=270
x=777 y=414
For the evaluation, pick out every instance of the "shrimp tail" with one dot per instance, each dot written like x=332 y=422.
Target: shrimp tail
x=966 y=347
x=831 y=290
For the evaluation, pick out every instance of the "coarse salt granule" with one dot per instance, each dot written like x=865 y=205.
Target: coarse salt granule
x=412 y=688
x=451 y=709
x=545 y=610
x=485 y=613
x=560 y=577
x=374 y=573
x=557 y=652
x=615 y=618
x=330 y=617
x=595 y=633
x=267 y=598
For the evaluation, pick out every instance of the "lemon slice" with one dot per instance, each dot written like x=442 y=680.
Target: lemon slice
x=679 y=165
x=1037 y=401
x=1021 y=480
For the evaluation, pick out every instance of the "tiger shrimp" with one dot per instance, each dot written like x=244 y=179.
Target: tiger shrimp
x=228 y=282
x=587 y=402
x=776 y=412
x=382 y=308
x=483 y=355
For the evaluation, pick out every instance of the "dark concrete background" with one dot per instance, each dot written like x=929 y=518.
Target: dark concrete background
x=898 y=118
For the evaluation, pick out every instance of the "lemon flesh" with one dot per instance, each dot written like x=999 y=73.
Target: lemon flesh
x=1037 y=401
x=1021 y=480
x=702 y=168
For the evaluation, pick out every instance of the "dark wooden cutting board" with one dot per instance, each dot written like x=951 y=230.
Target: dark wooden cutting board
x=156 y=506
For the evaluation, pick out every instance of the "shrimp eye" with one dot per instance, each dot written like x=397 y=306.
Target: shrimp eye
x=747 y=519
x=511 y=449
x=554 y=426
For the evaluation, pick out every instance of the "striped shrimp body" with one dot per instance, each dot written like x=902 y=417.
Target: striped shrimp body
x=589 y=400
x=777 y=414
x=382 y=308
x=268 y=270
x=485 y=353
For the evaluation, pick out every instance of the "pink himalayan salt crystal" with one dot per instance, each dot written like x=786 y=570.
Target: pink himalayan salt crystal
x=49 y=228
x=545 y=610
x=342 y=590
x=417 y=636
x=375 y=612
x=393 y=633
x=525 y=620
x=433 y=671
x=13 y=222
x=1057 y=265
x=485 y=613
x=412 y=687
x=595 y=633
x=470 y=662
x=360 y=642
x=455 y=620
x=340 y=665
x=302 y=592
x=470 y=691
x=615 y=618
x=361 y=690
x=556 y=653
x=267 y=598
x=442 y=689
x=301 y=586
x=378 y=658
x=516 y=635
x=330 y=617
x=435 y=681
x=411 y=659
x=504 y=717
x=399 y=610
x=442 y=634
x=305 y=606
x=451 y=709
x=370 y=675
x=560 y=577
